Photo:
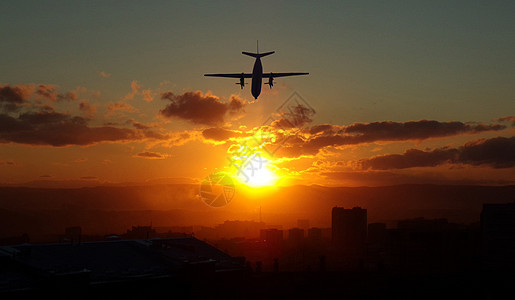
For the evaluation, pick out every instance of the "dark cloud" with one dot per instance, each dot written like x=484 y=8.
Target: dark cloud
x=150 y=155
x=321 y=136
x=414 y=130
x=87 y=108
x=297 y=117
x=322 y=129
x=59 y=129
x=199 y=108
x=39 y=124
x=12 y=98
x=497 y=152
x=49 y=92
x=409 y=159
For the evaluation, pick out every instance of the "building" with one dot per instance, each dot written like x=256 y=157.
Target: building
x=349 y=229
x=111 y=269
x=272 y=237
x=314 y=234
x=498 y=237
x=296 y=235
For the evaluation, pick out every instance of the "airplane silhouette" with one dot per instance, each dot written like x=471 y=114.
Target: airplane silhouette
x=257 y=74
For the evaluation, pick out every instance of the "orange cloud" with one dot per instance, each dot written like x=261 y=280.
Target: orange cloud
x=135 y=87
x=87 y=108
x=104 y=74
x=147 y=95
x=121 y=106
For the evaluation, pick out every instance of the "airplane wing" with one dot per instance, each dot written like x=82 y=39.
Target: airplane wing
x=275 y=75
x=232 y=75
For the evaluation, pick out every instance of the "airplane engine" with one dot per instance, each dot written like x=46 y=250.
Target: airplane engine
x=271 y=80
x=242 y=81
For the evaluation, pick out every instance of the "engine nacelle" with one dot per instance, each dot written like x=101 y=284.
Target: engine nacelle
x=242 y=81
x=270 y=80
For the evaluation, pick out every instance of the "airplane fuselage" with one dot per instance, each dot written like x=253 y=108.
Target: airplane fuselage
x=257 y=78
x=257 y=74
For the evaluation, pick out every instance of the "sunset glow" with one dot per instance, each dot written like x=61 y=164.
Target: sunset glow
x=143 y=111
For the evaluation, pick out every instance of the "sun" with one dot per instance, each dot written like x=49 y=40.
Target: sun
x=258 y=178
x=253 y=169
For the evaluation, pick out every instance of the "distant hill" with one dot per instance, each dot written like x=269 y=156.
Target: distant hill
x=115 y=208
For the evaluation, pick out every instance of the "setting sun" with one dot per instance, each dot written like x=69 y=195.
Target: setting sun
x=258 y=178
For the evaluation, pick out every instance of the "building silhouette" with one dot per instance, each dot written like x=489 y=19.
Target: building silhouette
x=296 y=235
x=498 y=237
x=349 y=229
x=113 y=269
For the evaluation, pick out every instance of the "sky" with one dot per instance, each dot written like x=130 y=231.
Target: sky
x=397 y=92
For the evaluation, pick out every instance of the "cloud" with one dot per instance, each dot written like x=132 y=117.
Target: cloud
x=151 y=155
x=414 y=130
x=25 y=120
x=12 y=98
x=409 y=159
x=49 y=92
x=87 y=108
x=88 y=177
x=507 y=119
x=497 y=153
x=147 y=95
x=121 y=106
x=297 y=117
x=220 y=134
x=135 y=87
x=104 y=74
x=138 y=125
x=320 y=136
x=60 y=129
x=200 y=109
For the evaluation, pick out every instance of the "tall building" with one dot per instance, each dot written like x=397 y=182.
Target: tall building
x=498 y=236
x=349 y=229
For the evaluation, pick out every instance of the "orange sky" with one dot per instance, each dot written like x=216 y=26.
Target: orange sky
x=50 y=134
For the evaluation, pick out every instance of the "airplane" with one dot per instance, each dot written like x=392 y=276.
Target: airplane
x=257 y=74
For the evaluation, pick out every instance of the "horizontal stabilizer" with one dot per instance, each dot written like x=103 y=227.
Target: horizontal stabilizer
x=256 y=55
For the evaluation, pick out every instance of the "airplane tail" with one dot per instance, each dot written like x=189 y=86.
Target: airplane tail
x=256 y=55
